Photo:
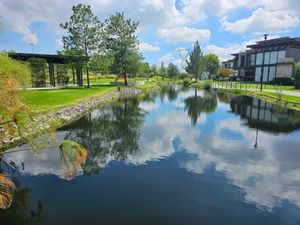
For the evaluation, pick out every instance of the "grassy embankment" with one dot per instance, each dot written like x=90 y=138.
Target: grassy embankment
x=44 y=101
x=50 y=100
x=291 y=102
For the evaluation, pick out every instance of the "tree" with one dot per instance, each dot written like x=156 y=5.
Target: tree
x=173 y=70
x=297 y=75
x=195 y=62
x=162 y=71
x=83 y=33
x=121 y=41
x=153 y=71
x=132 y=62
x=225 y=72
x=101 y=64
x=212 y=64
x=144 y=69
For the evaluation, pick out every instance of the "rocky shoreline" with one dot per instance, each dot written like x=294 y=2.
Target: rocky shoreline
x=65 y=116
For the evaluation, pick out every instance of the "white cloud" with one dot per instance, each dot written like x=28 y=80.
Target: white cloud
x=30 y=38
x=224 y=53
x=262 y=21
x=59 y=42
x=166 y=58
x=146 y=47
x=183 y=34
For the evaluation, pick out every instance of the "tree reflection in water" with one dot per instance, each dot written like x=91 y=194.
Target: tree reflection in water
x=195 y=105
x=112 y=131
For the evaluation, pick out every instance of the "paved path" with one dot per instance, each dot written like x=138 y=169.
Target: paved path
x=285 y=92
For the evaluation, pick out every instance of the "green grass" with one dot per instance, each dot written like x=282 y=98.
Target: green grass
x=236 y=84
x=50 y=100
x=283 y=96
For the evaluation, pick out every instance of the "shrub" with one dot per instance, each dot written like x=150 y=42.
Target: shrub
x=38 y=72
x=282 y=81
x=207 y=86
x=297 y=76
x=185 y=82
x=182 y=76
x=62 y=74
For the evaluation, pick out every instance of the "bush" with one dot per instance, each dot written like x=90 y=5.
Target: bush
x=38 y=73
x=62 y=75
x=282 y=81
x=185 y=82
x=207 y=86
x=182 y=76
x=109 y=76
x=297 y=76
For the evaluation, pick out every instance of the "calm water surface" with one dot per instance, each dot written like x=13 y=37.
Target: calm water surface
x=175 y=157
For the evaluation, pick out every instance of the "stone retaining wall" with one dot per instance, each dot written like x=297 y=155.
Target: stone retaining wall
x=65 y=116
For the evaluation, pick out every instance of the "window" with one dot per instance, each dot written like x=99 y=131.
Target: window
x=257 y=73
x=243 y=61
x=273 y=57
x=265 y=73
x=267 y=58
x=252 y=60
x=272 y=73
x=259 y=57
x=281 y=54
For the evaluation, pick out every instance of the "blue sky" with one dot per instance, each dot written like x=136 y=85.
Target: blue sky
x=166 y=26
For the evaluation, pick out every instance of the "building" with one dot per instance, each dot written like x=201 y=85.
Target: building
x=227 y=64
x=271 y=58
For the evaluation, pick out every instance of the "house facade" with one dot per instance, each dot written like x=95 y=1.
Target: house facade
x=271 y=58
x=227 y=64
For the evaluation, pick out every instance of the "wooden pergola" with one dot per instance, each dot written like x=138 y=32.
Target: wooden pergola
x=54 y=59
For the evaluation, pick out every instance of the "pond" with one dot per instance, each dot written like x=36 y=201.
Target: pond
x=179 y=156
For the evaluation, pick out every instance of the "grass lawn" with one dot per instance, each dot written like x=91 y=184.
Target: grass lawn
x=284 y=97
x=236 y=84
x=49 y=100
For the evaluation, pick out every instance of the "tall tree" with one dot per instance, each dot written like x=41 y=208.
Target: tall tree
x=121 y=42
x=162 y=71
x=173 y=71
x=195 y=62
x=212 y=64
x=101 y=64
x=132 y=63
x=153 y=71
x=144 y=69
x=83 y=33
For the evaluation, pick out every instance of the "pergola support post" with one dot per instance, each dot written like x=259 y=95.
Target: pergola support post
x=51 y=74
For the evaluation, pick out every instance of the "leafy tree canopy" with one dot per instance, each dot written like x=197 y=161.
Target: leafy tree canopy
x=195 y=64
x=212 y=64
x=84 y=31
x=173 y=70
x=121 y=41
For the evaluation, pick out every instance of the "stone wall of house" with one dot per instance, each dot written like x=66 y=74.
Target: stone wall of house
x=284 y=70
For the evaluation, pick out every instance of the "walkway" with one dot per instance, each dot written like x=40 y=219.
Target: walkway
x=285 y=92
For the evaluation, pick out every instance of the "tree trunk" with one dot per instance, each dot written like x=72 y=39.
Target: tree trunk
x=88 y=77
x=125 y=79
x=73 y=73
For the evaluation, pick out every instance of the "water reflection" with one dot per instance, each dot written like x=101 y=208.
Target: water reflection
x=153 y=136
x=109 y=133
x=194 y=105
x=265 y=116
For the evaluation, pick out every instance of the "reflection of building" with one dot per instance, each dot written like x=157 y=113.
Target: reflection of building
x=280 y=56
x=264 y=116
